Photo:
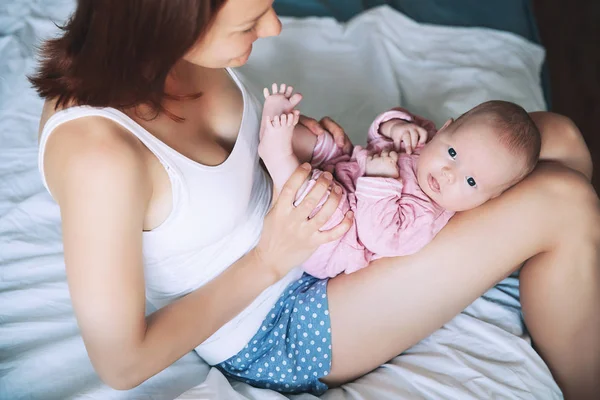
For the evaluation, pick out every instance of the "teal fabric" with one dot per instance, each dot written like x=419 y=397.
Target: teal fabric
x=514 y=16
x=508 y=15
x=342 y=10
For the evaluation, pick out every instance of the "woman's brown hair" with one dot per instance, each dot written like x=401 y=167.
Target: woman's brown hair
x=118 y=53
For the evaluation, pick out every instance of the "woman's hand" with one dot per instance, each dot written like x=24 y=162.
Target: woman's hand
x=289 y=237
x=326 y=124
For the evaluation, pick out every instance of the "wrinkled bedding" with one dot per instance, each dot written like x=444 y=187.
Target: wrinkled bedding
x=349 y=71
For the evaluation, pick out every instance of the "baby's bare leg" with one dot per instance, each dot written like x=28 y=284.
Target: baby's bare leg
x=304 y=142
x=275 y=148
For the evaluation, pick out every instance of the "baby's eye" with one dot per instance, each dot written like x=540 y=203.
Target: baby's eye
x=452 y=152
x=471 y=182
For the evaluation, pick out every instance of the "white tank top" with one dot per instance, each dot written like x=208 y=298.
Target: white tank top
x=217 y=217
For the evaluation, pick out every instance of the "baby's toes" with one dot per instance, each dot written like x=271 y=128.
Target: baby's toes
x=276 y=121
x=289 y=91
x=274 y=88
x=290 y=119
x=295 y=99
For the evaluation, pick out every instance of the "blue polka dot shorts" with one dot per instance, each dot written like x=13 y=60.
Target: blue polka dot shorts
x=292 y=349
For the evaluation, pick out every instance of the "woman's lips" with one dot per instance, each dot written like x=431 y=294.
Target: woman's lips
x=246 y=55
x=434 y=185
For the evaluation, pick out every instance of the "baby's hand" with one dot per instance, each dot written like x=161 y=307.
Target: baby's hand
x=383 y=165
x=411 y=135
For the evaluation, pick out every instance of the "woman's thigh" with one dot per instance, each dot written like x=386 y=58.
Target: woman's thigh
x=382 y=310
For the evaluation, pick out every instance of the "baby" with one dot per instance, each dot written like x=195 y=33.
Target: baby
x=409 y=181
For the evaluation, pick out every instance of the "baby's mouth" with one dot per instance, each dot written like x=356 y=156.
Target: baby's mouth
x=434 y=185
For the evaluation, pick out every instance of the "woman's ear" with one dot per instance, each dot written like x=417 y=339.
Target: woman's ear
x=447 y=124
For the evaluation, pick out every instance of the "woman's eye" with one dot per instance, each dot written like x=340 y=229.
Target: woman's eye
x=452 y=152
x=471 y=182
x=249 y=30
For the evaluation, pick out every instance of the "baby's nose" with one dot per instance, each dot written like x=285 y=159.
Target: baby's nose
x=448 y=174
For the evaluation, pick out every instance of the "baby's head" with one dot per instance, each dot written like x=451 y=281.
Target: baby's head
x=477 y=157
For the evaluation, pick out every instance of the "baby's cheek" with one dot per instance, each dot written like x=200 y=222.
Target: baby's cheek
x=463 y=200
x=479 y=200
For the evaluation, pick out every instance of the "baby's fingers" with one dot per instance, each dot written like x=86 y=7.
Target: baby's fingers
x=423 y=135
x=397 y=143
x=414 y=137
x=406 y=139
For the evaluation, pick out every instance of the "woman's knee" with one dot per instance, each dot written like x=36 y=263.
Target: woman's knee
x=566 y=195
x=586 y=209
x=577 y=201
x=573 y=138
x=563 y=142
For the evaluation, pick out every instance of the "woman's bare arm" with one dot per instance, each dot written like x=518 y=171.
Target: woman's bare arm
x=102 y=186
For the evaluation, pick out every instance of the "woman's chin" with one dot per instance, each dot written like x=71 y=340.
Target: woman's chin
x=241 y=60
x=236 y=63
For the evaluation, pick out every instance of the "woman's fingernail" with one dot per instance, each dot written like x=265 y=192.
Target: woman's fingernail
x=305 y=166
x=337 y=189
x=327 y=176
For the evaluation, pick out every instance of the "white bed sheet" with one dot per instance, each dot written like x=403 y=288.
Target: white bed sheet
x=350 y=72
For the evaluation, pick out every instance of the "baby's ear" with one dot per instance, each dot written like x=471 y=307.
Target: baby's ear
x=447 y=124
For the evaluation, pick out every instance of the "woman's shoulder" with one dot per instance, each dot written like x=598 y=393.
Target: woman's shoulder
x=91 y=148
x=95 y=134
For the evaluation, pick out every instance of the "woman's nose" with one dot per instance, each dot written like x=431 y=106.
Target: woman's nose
x=270 y=25
x=448 y=174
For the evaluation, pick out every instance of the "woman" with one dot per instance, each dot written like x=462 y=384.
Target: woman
x=161 y=194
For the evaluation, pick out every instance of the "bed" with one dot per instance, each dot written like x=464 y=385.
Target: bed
x=349 y=70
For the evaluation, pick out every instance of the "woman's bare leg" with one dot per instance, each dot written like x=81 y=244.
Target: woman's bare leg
x=559 y=343
x=561 y=305
x=552 y=216
x=562 y=142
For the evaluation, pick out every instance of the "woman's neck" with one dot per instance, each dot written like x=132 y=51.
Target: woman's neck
x=186 y=78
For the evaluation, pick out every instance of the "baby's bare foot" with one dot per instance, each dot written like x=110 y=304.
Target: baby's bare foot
x=383 y=165
x=281 y=100
x=277 y=138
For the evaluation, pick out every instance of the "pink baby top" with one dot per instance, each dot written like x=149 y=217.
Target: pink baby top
x=392 y=217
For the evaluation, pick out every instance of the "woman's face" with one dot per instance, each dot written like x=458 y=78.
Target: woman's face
x=228 y=42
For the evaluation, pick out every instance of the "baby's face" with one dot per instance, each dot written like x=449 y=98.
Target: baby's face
x=463 y=167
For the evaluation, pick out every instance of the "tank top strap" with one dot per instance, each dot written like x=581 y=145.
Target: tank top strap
x=76 y=112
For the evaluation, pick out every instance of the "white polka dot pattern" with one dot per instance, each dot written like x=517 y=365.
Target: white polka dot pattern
x=292 y=349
